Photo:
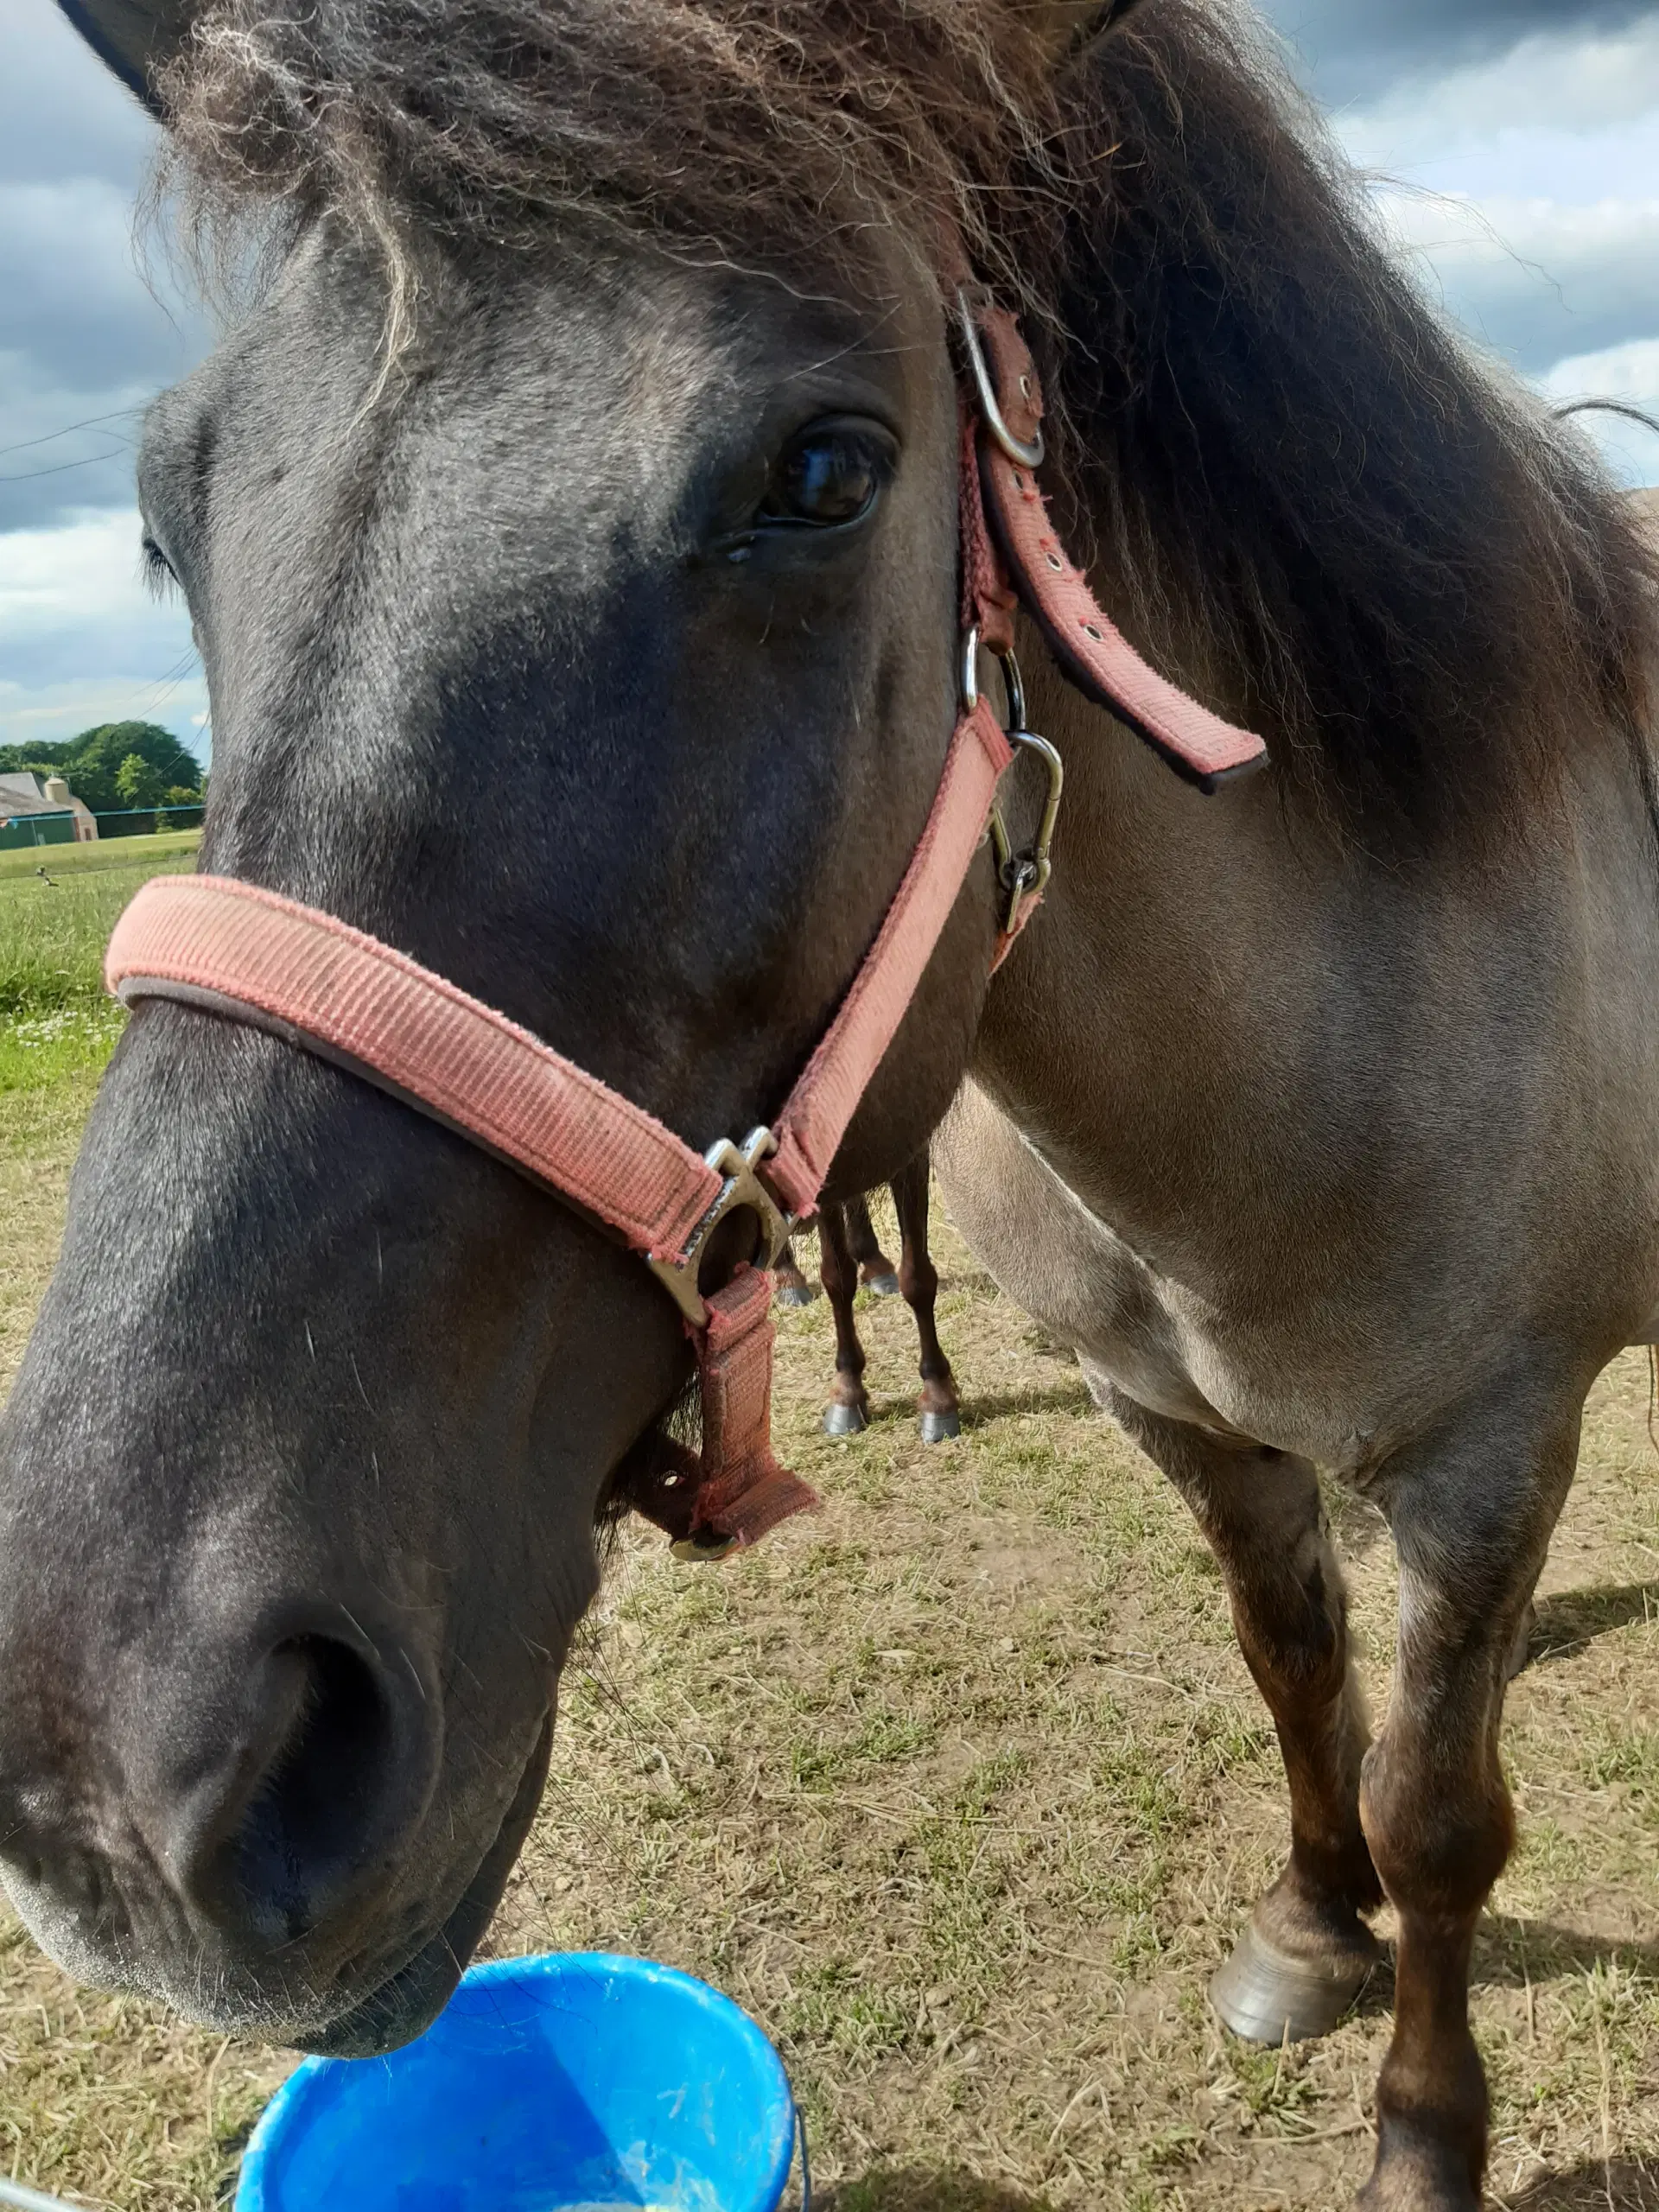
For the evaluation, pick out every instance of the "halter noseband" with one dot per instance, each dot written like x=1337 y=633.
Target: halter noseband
x=237 y=949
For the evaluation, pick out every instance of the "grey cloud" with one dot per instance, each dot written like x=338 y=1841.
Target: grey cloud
x=61 y=113
x=160 y=648
x=51 y=472
x=1599 y=301
x=81 y=334
x=75 y=304
x=1355 y=50
x=1537 y=282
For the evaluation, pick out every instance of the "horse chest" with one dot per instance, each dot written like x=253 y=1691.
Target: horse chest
x=1163 y=1344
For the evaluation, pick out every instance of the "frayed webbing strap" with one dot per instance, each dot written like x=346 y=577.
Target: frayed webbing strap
x=744 y=1492
x=817 y=1113
x=710 y=1514
x=988 y=601
x=1092 y=651
x=342 y=992
x=815 y=1118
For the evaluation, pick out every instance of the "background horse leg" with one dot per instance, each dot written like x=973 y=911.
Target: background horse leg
x=875 y=1268
x=848 y=1409
x=791 y=1285
x=1473 y=1514
x=1306 y=1953
x=919 y=1280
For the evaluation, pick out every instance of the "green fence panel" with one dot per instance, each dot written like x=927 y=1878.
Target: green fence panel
x=37 y=830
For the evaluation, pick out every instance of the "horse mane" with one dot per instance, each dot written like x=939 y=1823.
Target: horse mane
x=1308 y=496
x=1306 y=487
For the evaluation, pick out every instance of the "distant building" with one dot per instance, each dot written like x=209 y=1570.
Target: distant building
x=42 y=810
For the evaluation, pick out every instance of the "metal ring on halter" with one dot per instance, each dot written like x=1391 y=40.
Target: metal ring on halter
x=742 y=1188
x=1013 y=682
x=1026 y=456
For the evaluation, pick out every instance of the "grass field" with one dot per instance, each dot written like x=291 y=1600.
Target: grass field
x=58 y=904
x=962 y=1788
x=109 y=853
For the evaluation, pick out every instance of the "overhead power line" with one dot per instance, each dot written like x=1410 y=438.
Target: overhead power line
x=88 y=422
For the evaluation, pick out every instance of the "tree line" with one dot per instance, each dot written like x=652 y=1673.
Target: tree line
x=116 y=768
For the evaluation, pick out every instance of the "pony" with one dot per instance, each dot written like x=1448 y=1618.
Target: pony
x=567 y=520
x=852 y=1257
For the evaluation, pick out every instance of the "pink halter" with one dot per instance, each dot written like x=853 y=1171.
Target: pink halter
x=250 y=954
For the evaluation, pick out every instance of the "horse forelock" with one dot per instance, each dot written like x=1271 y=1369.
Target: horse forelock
x=777 y=132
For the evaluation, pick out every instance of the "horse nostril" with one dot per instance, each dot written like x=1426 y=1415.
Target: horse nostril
x=321 y=1808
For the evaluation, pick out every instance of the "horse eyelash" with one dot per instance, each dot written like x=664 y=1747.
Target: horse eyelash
x=159 y=572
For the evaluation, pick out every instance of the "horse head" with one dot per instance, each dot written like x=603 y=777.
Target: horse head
x=597 y=645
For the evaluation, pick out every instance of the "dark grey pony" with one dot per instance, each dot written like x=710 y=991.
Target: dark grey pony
x=851 y=1258
x=569 y=530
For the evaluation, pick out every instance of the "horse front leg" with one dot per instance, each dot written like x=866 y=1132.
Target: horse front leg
x=918 y=1278
x=848 y=1410
x=876 y=1270
x=1306 y=1951
x=1472 y=1513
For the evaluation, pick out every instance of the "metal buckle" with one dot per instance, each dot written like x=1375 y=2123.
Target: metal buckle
x=1023 y=454
x=741 y=1187
x=1024 y=876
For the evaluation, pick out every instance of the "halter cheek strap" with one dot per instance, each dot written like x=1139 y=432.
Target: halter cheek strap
x=1092 y=651
x=247 y=953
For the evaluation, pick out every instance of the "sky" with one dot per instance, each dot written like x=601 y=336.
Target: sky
x=1512 y=148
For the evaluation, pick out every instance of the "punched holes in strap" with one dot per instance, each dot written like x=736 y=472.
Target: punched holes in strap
x=1091 y=651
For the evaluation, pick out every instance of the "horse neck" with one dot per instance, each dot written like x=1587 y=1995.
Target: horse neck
x=1165 y=911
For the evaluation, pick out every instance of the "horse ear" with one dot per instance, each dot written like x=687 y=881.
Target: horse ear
x=132 y=37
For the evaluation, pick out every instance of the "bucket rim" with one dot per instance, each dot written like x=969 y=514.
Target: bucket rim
x=286 y=2108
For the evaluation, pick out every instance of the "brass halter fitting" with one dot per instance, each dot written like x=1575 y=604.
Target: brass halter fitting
x=741 y=1187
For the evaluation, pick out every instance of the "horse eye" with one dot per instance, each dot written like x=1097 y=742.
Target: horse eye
x=157 y=567
x=830 y=475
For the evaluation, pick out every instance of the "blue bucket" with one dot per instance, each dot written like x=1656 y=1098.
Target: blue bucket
x=578 y=2080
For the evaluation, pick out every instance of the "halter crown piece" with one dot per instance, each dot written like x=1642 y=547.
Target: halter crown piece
x=246 y=953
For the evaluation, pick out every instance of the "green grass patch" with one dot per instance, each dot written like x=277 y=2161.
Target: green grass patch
x=38 y=1051
x=170 y=846
x=55 y=925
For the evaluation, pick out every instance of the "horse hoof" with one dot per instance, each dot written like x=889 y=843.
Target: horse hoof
x=1265 y=1995
x=883 y=1286
x=939 y=1428
x=796 y=1293
x=844 y=1421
